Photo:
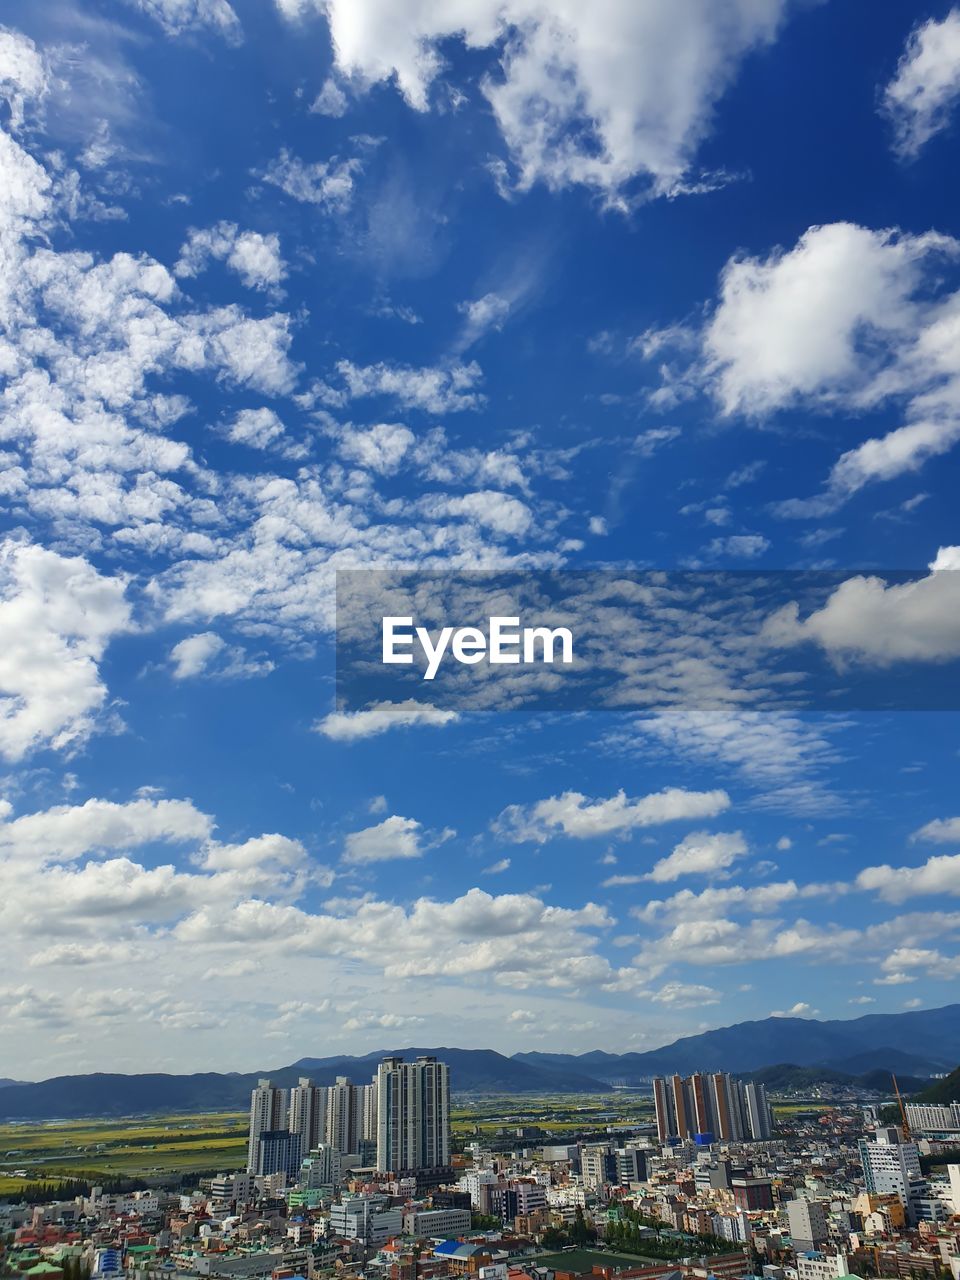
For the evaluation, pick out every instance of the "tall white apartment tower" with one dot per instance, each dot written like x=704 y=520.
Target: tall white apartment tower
x=413 y=1115
x=268 y=1112
x=343 y=1116
x=368 y=1112
x=308 y=1108
x=759 y=1115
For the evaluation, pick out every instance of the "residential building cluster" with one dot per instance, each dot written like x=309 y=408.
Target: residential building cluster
x=705 y=1107
x=400 y=1121
x=365 y=1182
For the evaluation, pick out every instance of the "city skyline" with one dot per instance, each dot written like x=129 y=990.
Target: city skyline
x=286 y=287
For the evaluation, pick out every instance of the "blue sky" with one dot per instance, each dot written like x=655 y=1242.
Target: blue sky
x=292 y=285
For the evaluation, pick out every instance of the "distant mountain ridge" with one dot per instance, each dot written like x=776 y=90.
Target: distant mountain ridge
x=917 y=1043
x=921 y=1041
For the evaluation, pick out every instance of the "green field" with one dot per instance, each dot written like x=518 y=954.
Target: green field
x=167 y=1145
x=557 y=1114
x=92 y=1149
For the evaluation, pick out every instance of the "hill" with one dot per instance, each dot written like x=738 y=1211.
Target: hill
x=916 y=1043
x=785 y=1076
x=941 y=1091
x=108 y=1094
x=928 y=1040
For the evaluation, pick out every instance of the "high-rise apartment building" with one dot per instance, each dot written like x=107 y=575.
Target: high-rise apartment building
x=413 y=1115
x=368 y=1111
x=343 y=1115
x=278 y=1151
x=268 y=1113
x=712 y=1104
x=307 y=1113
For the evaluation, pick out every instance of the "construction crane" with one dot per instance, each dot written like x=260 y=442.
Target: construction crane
x=903 y=1110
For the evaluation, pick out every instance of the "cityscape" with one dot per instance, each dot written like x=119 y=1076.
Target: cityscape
x=367 y=1180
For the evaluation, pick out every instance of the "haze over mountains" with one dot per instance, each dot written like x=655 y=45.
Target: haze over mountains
x=917 y=1043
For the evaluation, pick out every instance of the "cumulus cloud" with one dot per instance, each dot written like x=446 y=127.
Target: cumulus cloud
x=922 y=96
x=937 y=877
x=208 y=654
x=575 y=815
x=67 y=832
x=393 y=838
x=573 y=107
x=329 y=184
x=446 y=389
x=192 y=655
x=256 y=428
x=939 y=831
x=849 y=319
x=255 y=258
x=791 y=327
x=799 y=1010
x=700 y=853
x=380 y=448
x=350 y=726
x=57 y=616
x=23 y=73
x=880 y=622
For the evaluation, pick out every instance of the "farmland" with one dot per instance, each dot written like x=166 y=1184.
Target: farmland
x=150 y=1148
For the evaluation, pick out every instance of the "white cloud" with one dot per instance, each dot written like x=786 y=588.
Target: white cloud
x=23 y=75
x=923 y=94
x=254 y=257
x=596 y=97
x=256 y=428
x=937 y=877
x=686 y=995
x=207 y=654
x=178 y=16
x=791 y=327
x=946 y=558
x=192 y=655
x=67 y=832
x=573 y=814
x=483 y=315
x=939 y=831
x=763 y=899
x=880 y=622
x=497 y=868
x=799 y=1010
x=380 y=448
x=850 y=319
x=330 y=101
x=782 y=755
x=448 y=389
x=57 y=616
x=350 y=726
x=328 y=184
x=739 y=546
x=393 y=838
x=700 y=853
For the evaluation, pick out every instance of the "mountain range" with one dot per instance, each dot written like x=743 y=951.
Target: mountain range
x=919 y=1043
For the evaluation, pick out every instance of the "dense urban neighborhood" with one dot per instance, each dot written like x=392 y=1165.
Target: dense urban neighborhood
x=366 y=1180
